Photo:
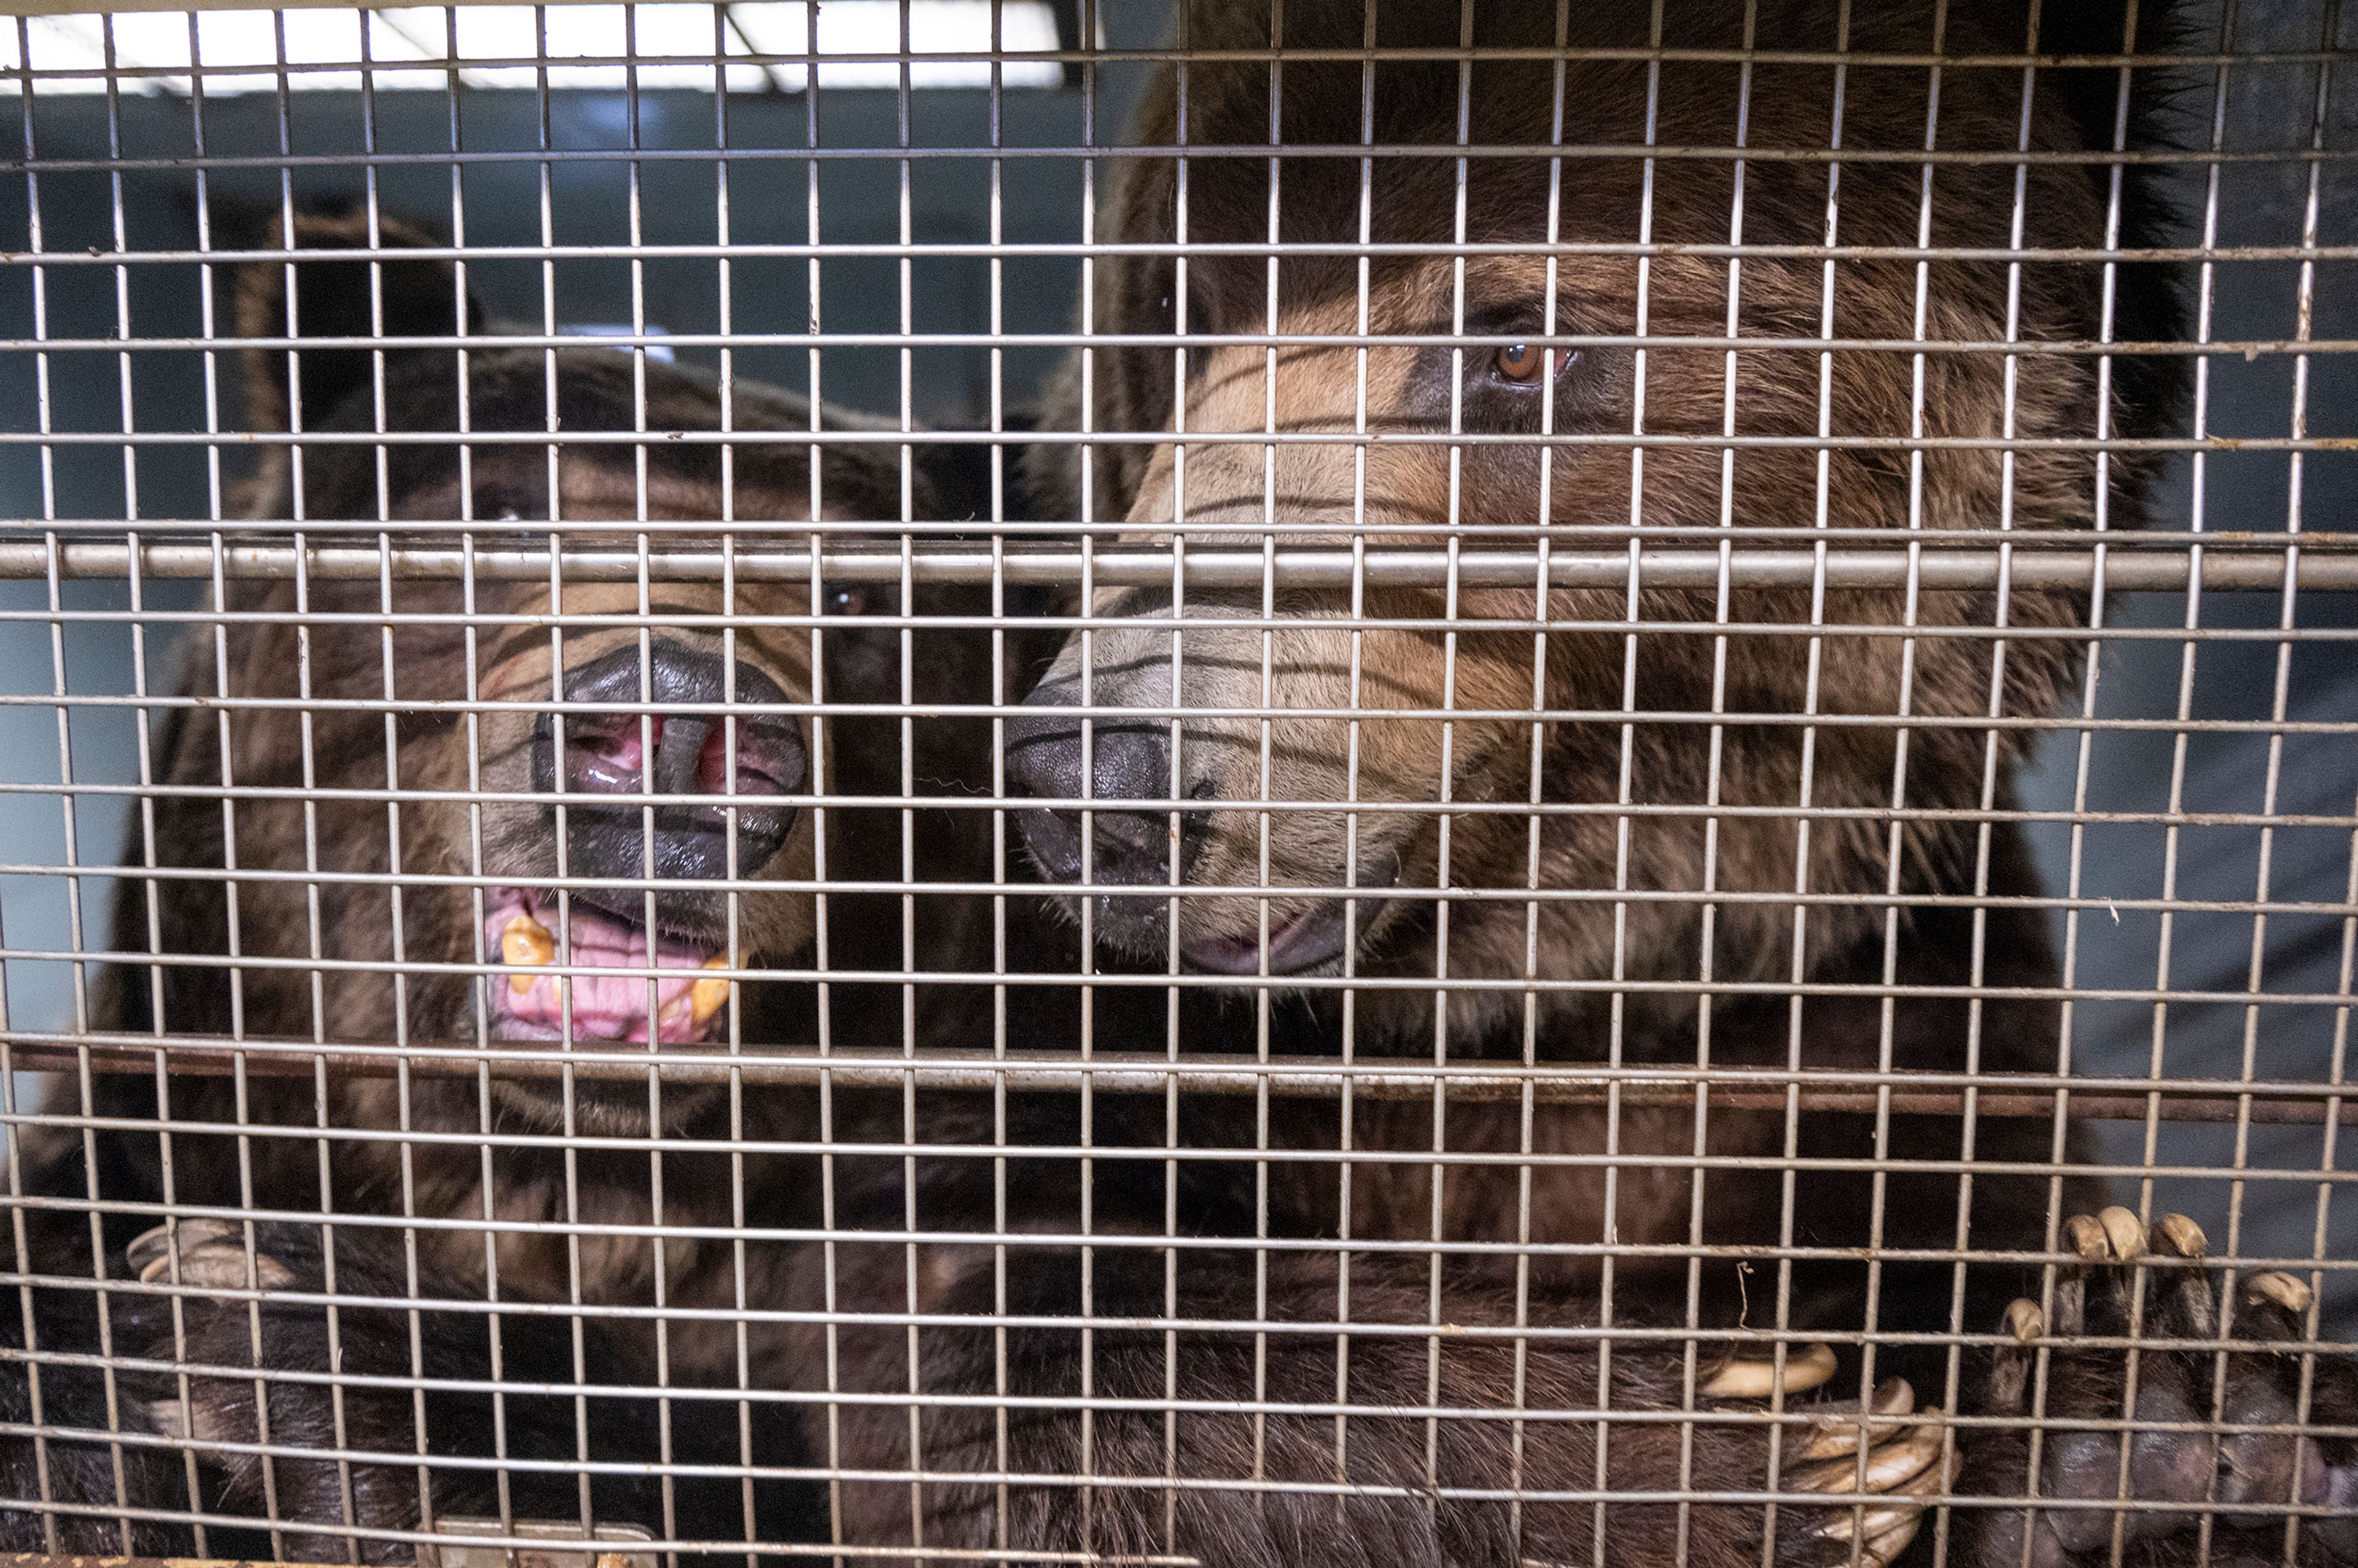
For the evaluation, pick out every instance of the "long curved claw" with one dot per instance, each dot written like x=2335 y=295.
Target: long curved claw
x=2025 y=1322
x=2176 y=1235
x=213 y=1256
x=1882 y=1548
x=1885 y=1530
x=2125 y=1231
x=1747 y=1378
x=150 y=1247
x=1831 y=1436
x=2292 y=1294
x=2085 y=1235
x=2112 y=1235
x=2026 y=1325
x=1890 y=1465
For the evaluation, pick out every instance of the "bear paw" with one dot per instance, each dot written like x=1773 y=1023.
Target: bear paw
x=1874 y=1463
x=2170 y=1393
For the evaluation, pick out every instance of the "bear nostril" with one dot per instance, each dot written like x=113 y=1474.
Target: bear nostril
x=657 y=733
x=768 y=761
x=608 y=755
x=1126 y=761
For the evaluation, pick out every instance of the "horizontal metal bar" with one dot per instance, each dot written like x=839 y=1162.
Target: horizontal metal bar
x=690 y=1396
x=389 y=343
x=583 y=620
x=1288 y=565
x=1193 y=980
x=782 y=250
x=1068 y=1484
x=1446 y=440
x=880 y=535
x=451 y=64
x=1100 y=55
x=1132 y=713
x=1316 y=440
x=882 y=1145
x=1141 y=1073
x=1259 y=152
x=1831 y=626
x=1636 y=811
x=263 y=1135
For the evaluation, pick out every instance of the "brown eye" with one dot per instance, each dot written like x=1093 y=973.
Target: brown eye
x=1523 y=362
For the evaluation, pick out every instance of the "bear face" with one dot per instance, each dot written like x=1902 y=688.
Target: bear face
x=592 y=774
x=1506 y=347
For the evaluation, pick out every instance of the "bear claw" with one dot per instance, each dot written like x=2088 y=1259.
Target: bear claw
x=1740 y=1378
x=1902 y=1475
x=213 y=1256
x=2126 y=1231
x=2025 y=1322
x=2293 y=1295
x=1880 y=1458
x=1835 y=1437
x=2114 y=1235
x=1891 y=1463
x=2180 y=1237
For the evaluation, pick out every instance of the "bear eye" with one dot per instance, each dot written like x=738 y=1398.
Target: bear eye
x=1524 y=365
x=1520 y=361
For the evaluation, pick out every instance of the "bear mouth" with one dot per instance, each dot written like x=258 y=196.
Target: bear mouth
x=583 y=989
x=1311 y=940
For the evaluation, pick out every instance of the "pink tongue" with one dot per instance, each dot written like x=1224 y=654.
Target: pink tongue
x=604 y=1006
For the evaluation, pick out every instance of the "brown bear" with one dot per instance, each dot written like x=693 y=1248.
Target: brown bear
x=409 y=810
x=1461 y=1327
x=985 y=1455
x=1492 y=301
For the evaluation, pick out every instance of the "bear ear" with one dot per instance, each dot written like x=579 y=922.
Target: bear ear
x=334 y=297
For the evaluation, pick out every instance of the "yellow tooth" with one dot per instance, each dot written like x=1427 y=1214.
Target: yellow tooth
x=707 y=996
x=524 y=940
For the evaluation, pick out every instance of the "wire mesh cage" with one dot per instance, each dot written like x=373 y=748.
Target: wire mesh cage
x=1243 y=782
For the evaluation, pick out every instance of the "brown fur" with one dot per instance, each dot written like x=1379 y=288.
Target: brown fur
x=1753 y=857
x=1608 y=1203
x=1776 y=395
x=957 y=1434
x=288 y=657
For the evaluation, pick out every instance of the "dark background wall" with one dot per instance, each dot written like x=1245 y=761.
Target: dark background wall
x=2234 y=675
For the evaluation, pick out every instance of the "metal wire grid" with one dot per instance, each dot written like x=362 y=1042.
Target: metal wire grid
x=141 y=553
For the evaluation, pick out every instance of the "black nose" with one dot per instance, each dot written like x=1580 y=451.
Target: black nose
x=1127 y=760
x=652 y=747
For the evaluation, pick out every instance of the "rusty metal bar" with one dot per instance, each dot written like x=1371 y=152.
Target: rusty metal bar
x=1727 y=1088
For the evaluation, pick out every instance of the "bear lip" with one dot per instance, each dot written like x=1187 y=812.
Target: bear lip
x=689 y=1006
x=1301 y=942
